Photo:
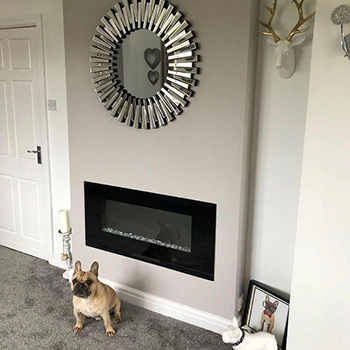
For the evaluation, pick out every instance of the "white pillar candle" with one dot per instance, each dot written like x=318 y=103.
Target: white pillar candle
x=64 y=220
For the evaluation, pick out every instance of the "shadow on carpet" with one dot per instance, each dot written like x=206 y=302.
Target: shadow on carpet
x=36 y=313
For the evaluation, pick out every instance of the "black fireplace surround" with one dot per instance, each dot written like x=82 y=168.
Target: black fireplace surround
x=172 y=232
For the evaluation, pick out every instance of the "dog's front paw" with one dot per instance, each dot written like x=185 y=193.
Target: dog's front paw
x=118 y=318
x=77 y=328
x=110 y=332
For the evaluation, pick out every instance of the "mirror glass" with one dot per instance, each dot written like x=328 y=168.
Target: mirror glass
x=142 y=63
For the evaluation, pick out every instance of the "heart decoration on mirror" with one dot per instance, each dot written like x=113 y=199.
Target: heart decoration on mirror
x=153 y=77
x=152 y=58
x=163 y=19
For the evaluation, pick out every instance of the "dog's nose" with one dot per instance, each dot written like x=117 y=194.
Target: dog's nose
x=79 y=289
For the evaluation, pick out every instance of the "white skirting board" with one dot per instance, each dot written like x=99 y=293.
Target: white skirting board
x=169 y=308
x=163 y=306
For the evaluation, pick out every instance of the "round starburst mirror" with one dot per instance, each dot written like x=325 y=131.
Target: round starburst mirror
x=144 y=63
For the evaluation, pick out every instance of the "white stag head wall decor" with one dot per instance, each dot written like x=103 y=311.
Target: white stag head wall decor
x=284 y=49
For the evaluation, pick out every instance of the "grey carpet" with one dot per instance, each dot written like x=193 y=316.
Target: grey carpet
x=36 y=313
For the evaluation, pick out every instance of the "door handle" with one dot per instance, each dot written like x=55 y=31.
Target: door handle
x=36 y=151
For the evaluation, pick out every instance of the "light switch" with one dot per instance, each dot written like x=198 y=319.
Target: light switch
x=52 y=105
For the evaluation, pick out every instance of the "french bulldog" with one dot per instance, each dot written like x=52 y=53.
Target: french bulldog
x=268 y=315
x=92 y=298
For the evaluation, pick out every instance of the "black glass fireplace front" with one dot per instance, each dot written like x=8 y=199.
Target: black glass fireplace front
x=172 y=232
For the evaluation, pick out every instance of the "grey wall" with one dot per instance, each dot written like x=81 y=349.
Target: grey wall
x=201 y=156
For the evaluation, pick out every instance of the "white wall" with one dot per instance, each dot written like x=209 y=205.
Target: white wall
x=320 y=304
x=52 y=14
x=280 y=111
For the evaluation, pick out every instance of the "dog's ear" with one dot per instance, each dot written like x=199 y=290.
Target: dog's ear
x=77 y=267
x=235 y=322
x=94 y=268
x=275 y=304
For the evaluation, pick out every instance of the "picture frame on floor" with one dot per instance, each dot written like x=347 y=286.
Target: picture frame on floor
x=267 y=310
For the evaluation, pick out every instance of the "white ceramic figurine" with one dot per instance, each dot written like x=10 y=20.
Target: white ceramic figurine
x=242 y=340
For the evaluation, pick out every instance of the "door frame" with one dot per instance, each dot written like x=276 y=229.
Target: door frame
x=37 y=22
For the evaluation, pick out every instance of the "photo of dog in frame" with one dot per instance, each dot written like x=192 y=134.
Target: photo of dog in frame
x=266 y=310
x=268 y=314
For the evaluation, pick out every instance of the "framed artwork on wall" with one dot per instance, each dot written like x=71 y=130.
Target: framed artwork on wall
x=267 y=310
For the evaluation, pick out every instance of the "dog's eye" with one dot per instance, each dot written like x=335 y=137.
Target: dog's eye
x=88 y=282
x=75 y=281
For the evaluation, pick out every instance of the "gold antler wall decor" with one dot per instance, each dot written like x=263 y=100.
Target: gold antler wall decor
x=301 y=20
x=268 y=25
x=284 y=49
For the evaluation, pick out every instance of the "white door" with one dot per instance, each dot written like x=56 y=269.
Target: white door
x=24 y=198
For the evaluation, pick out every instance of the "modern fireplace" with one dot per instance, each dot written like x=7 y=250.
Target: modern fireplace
x=172 y=232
